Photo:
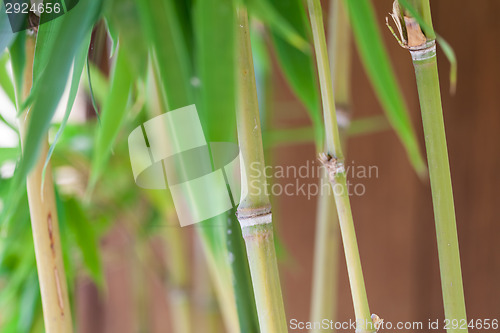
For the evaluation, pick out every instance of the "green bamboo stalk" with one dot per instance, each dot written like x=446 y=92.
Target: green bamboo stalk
x=178 y=276
x=45 y=227
x=333 y=160
x=327 y=239
x=423 y=51
x=254 y=211
x=207 y=315
x=323 y=302
x=219 y=269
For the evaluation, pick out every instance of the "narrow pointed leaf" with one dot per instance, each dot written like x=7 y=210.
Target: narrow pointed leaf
x=298 y=66
x=377 y=64
x=113 y=114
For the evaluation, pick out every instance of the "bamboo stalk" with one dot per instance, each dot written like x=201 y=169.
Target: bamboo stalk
x=423 y=51
x=219 y=269
x=45 y=227
x=178 y=277
x=326 y=245
x=254 y=211
x=323 y=302
x=333 y=160
x=207 y=314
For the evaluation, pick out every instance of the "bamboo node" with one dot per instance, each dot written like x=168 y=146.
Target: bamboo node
x=333 y=165
x=411 y=36
x=255 y=220
x=423 y=52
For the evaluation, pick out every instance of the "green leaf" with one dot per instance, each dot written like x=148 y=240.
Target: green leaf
x=52 y=67
x=6 y=81
x=8 y=154
x=99 y=83
x=85 y=237
x=297 y=66
x=269 y=12
x=78 y=65
x=18 y=58
x=6 y=34
x=121 y=16
x=113 y=114
x=215 y=58
x=29 y=302
x=377 y=64
x=163 y=32
x=215 y=22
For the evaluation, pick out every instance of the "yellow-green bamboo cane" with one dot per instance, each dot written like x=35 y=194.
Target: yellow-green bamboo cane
x=327 y=238
x=45 y=227
x=422 y=47
x=333 y=160
x=254 y=211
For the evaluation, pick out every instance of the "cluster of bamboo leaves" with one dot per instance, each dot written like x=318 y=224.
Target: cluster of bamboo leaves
x=164 y=54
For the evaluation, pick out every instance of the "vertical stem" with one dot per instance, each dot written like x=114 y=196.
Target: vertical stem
x=334 y=162
x=442 y=194
x=207 y=316
x=254 y=211
x=178 y=276
x=425 y=64
x=323 y=303
x=326 y=244
x=45 y=227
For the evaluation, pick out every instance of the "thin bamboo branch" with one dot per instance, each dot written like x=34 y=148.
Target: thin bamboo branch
x=333 y=160
x=327 y=238
x=425 y=64
x=45 y=227
x=254 y=211
x=323 y=302
x=218 y=269
x=206 y=310
x=178 y=276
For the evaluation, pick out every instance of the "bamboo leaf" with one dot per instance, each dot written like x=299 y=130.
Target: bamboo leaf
x=78 y=65
x=18 y=59
x=120 y=17
x=113 y=114
x=216 y=59
x=85 y=237
x=8 y=154
x=28 y=303
x=6 y=34
x=297 y=66
x=268 y=11
x=162 y=30
x=99 y=83
x=53 y=65
x=5 y=80
x=376 y=61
